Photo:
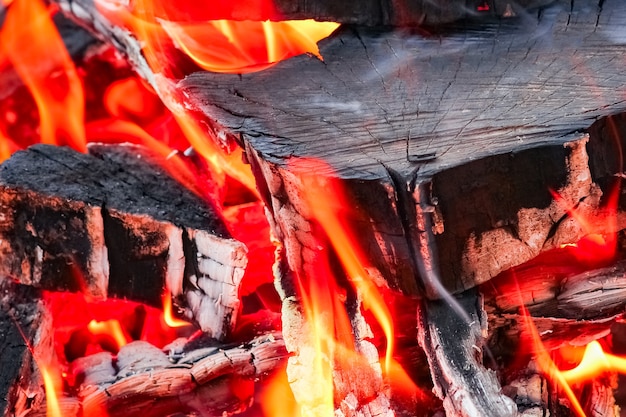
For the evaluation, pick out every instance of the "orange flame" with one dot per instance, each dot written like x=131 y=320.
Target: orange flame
x=32 y=44
x=246 y=46
x=110 y=328
x=218 y=45
x=328 y=212
x=324 y=304
x=277 y=398
x=51 y=384
x=594 y=363
x=168 y=315
x=547 y=365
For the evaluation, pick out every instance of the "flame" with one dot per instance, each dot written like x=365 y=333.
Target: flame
x=547 y=365
x=328 y=212
x=110 y=328
x=332 y=345
x=594 y=363
x=30 y=41
x=51 y=384
x=129 y=98
x=168 y=315
x=218 y=45
x=246 y=46
x=277 y=399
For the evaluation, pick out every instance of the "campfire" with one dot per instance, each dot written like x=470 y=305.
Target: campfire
x=310 y=209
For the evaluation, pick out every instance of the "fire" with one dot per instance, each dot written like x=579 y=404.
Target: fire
x=328 y=212
x=51 y=384
x=111 y=328
x=168 y=315
x=594 y=363
x=28 y=34
x=333 y=347
x=245 y=46
x=219 y=45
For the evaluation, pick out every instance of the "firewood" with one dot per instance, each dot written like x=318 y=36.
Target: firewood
x=410 y=148
x=25 y=345
x=114 y=223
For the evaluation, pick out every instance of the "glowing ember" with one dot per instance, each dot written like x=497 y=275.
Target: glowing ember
x=598 y=246
x=53 y=81
x=547 y=365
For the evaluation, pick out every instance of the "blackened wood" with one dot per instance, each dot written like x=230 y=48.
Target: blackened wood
x=114 y=223
x=25 y=343
x=452 y=337
x=423 y=114
x=595 y=294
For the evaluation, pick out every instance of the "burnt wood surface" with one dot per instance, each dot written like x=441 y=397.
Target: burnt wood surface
x=441 y=124
x=114 y=223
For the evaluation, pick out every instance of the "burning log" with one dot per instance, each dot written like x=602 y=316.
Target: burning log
x=114 y=223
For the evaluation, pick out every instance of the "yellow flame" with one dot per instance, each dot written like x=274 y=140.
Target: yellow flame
x=53 y=409
x=111 y=328
x=168 y=315
x=547 y=365
x=594 y=363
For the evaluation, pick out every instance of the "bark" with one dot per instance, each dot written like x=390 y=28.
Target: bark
x=113 y=224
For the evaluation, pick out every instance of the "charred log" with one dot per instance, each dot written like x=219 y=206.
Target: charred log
x=114 y=223
x=25 y=345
